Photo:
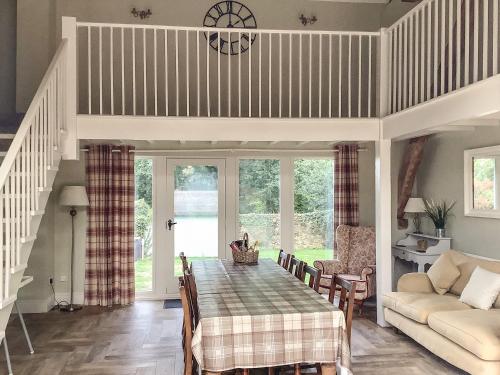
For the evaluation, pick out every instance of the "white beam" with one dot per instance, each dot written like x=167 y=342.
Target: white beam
x=299 y=144
x=227 y=129
x=480 y=99
x=477 y=122
x=70 y=142
x=383 y=223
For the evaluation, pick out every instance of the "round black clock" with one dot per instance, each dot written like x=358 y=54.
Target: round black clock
x=230 y=14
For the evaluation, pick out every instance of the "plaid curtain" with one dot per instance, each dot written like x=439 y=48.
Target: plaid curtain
x=346 y=186
x=109 y=263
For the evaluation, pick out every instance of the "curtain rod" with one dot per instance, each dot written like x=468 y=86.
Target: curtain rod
x=228 y=150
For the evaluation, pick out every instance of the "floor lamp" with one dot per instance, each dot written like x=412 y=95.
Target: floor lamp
x=73 y=197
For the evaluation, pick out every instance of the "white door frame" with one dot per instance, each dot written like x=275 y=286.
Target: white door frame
x=167 y=268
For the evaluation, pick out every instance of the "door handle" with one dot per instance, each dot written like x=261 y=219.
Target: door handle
x=170 y=224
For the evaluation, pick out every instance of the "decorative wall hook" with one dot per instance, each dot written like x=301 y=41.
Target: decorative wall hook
x=307 y=20
x=141 y=13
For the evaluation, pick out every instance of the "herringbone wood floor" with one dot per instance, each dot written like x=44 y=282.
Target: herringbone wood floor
x=145 y=339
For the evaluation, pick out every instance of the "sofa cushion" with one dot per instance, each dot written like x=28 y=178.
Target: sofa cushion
x=418 y=306
x=478 y=331
x=443 y=274
x=482 y=289
x=466 y=265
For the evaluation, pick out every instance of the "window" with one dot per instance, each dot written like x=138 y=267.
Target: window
x=259 y=204
x=484 y=183
x=313 y=209
x=143 y=236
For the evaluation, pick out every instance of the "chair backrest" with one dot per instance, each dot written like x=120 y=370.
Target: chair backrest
x=284 y=259
x=296 y=268
x=192 y=294
x=314 y=276
x=187 y=327
x=185 y=264
x=345 y=302
x=355 y=248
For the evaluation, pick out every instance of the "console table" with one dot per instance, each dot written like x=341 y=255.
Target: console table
x=408 y=249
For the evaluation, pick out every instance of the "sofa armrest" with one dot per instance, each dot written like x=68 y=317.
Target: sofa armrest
x=328 y=267
x=417 y=282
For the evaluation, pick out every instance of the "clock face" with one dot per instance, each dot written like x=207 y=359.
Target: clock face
x=232 y=15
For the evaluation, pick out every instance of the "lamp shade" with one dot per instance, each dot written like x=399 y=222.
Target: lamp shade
x=415 y=205
x=73 y=196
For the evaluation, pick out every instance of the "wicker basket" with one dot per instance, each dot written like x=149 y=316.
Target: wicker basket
x=243 y=257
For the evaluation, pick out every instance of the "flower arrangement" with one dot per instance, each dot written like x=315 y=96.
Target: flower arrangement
x=439 y=212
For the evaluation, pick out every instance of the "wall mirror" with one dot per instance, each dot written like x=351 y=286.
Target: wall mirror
x=482 y=182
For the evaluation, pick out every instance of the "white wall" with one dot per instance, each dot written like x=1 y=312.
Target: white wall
x=8 y=57
x=442 y=177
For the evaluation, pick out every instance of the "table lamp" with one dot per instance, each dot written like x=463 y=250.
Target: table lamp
x=415 y=207
x=73 y=197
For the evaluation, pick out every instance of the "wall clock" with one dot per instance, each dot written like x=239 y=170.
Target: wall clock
x=232 y=15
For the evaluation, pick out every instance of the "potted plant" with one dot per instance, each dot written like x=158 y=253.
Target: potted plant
x=439 y=214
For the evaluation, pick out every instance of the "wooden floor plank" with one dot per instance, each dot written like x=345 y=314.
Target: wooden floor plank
x=144 y=339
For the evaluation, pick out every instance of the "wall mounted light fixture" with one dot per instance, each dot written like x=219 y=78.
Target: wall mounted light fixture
x=141 y=13
x=307 y=20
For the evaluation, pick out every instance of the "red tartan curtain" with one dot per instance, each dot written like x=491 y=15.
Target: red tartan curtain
x=109 y=264
x=346 y=186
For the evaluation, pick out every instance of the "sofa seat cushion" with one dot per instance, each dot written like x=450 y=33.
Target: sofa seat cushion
x=477 y=331
x=418 y=306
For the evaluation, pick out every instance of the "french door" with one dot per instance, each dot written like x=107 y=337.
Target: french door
x=195 y=214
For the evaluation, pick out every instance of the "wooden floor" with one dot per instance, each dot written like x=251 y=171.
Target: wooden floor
x=145 y=339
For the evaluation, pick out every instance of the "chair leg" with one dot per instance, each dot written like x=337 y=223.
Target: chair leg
x=297 y=369
x=271 y=371
x=246 y=371
x=7 y=355
x=28 y=341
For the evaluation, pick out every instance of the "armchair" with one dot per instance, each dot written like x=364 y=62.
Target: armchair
x=355 y=261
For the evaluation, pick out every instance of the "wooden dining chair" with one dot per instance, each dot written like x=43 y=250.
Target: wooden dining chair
x=296 y=268
x=192 y=294
x=284 y=259
x=314 y=276
x=187 y=332
x=345 y=301
x=185 y=264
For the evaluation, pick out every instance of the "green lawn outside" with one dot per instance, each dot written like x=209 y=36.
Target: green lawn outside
x=144 y=267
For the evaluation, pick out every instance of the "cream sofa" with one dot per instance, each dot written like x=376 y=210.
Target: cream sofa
x=466 y=337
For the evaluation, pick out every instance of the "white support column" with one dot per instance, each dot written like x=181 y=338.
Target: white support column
x=383 y=222
x=70 y=144
x=232 y=202
x=286 y=203
x=383 y=185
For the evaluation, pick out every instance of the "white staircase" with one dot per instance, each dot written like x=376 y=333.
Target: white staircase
x=26 y=177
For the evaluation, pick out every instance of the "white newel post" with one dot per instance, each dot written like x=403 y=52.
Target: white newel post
x=70 y=149
x=383 y=185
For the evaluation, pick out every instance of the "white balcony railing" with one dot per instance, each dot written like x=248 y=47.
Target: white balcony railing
x=441 y=46
x=179 y=71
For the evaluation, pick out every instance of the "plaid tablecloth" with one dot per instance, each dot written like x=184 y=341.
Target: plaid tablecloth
x=261 y=316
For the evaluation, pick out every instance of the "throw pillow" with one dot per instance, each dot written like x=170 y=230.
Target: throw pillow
x=482 y=289
x=443 y=274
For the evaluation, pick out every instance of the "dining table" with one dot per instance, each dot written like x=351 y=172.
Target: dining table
x=261 y=316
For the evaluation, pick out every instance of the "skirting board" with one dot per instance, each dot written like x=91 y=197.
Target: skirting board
x=36 y=306
x=77 y=297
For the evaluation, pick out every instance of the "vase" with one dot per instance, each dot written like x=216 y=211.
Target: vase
x=440 y=232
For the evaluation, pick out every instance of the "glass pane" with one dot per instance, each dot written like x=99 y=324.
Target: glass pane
x=259 y=204
x=313 y=210
x=196 y=210
x=484 y=183
x=143 y=249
